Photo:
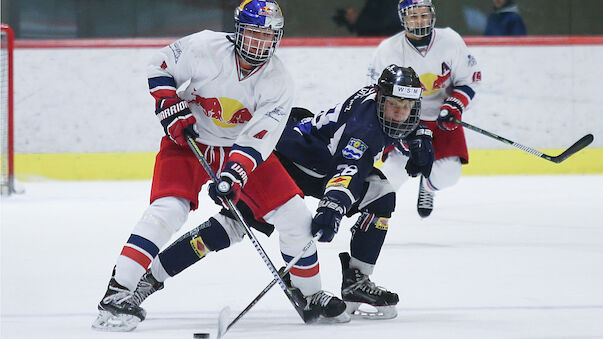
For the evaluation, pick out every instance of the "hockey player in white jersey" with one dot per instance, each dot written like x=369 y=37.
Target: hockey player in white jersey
x=234 y=96
x=449 y=75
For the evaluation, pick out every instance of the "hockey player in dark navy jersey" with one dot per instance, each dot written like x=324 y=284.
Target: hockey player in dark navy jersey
x=330 y=156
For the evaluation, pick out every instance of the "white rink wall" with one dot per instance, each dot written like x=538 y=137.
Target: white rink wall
x=89 y=100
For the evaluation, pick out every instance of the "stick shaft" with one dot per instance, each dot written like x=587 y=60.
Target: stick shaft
x=273 y=282
x=577 y=146
x=239 y=218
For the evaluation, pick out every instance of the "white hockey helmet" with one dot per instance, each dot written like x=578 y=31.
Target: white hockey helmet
x=254 y=18
x=405 y=8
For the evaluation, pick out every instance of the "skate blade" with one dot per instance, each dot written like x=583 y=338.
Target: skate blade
x=342 y=318
x=108 y=322
x=375 y=312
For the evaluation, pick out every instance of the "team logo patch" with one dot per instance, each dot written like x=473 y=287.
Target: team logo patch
x=343 y=181
x=199 y=247
x=471 y=62
x=477 y=76
x=277 y=114
x=382 y=224
x=354 y=149
x=177 y=50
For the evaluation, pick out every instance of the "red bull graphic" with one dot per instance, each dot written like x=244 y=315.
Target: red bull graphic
x=224 y=112
x=266 y=11
x=432 y=83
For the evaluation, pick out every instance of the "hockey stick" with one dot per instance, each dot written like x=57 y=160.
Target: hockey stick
x=223 y=327
x=577 y=146
x=297 y=303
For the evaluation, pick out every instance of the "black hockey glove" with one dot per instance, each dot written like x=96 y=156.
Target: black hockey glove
x=232 y=180
x=327 y=218
x=421 y=152
x=177 y=120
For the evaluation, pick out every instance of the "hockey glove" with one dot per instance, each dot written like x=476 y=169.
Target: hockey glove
x=177 y=120
x=421 y=152
x=451 y=109
x=328 y=217
x=232 y=180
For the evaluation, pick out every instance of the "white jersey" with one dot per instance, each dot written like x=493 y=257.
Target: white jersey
x=445 y=67
x=230 y=109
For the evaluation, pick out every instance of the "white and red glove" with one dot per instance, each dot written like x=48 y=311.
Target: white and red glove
x=450 y=110
x=177 y=119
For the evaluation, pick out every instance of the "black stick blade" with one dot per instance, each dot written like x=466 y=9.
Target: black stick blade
x=576 y=147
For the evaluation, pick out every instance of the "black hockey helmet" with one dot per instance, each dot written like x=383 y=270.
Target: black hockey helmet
x=399 y=86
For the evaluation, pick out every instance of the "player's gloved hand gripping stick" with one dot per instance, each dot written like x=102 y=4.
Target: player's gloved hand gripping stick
x=297 y=301
x=576 y=147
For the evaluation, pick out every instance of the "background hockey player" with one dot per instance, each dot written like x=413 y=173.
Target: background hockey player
x=234 y=96
x=449 y=75
x=331 y=156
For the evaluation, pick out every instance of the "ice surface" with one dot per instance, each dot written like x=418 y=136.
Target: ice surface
x=500 y=257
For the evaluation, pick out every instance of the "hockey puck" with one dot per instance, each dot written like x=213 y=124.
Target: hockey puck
x=200 y=335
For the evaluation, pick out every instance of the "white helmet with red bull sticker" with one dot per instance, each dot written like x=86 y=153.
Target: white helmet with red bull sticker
x=407 y=10
x=259 y=29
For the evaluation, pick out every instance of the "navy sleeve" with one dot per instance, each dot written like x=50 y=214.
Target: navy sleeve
x=361 y=141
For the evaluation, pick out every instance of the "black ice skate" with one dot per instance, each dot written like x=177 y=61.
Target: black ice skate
x=320 y=307
x=424 y=201
x=326 y=308
x=117 y=312
x=146 y=286
x=358 y=289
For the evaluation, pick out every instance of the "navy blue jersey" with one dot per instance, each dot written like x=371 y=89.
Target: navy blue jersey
x=341 y=144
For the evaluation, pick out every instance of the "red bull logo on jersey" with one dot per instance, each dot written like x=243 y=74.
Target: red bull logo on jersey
x=433 y=83
x=224 y=112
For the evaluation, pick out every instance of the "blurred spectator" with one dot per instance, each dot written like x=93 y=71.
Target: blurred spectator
x=377 y=18
x=505 y=20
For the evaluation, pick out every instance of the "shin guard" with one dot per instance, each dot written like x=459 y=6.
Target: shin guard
x=368 y=234
x=193 y=246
